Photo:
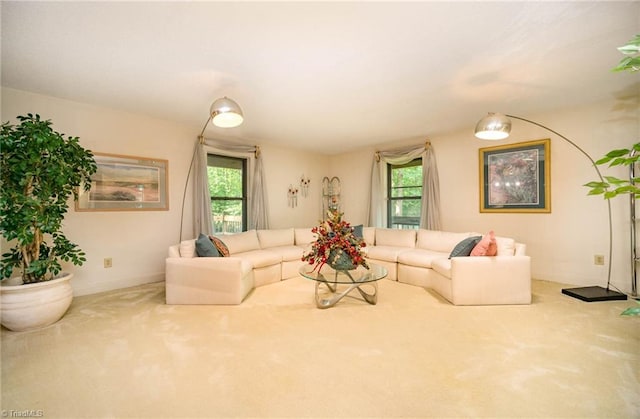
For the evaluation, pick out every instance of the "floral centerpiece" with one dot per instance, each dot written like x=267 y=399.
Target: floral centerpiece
x=336 y=245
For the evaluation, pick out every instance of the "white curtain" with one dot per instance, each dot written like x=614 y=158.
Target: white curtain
x=257 y=217
x=430 y=204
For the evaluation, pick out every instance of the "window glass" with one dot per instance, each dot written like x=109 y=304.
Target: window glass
x=405 y=194
x=228 y=189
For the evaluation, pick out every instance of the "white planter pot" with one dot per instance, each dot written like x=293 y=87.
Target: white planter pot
x=31 y=306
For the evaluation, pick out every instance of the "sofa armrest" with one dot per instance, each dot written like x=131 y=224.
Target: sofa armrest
x=207 y=280
x=491 y=280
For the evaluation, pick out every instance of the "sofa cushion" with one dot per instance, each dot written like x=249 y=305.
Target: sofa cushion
x=465 y=247
x=440 y=241
x=506 y=246
x=422 y=258
x=520 y=249
x=260 y=258
x=274 y=238
x=369 y=234
x=385 y=253
x=241 y=242
x=174 y=251
x=306 y=248
x=486 y=246
x=205 y=247
x=303 y=236
x=395 y=237
x=288 y=253
x=219 y=244
x=442 y=266
x=188 y=249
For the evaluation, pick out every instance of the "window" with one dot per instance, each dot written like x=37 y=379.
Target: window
x=404 y=183
x=228 y=189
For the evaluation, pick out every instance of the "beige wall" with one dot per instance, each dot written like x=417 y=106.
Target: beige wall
x=138 y=241
x=284 y=167
x=354 y=171
x=562 y=244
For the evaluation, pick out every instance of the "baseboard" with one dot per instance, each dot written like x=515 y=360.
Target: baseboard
x=80 y=288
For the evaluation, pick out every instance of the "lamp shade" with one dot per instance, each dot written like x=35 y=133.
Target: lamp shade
x=494 y=126
x=226 y=113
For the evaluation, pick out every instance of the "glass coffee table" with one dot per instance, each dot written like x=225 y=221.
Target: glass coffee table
x=333 y=285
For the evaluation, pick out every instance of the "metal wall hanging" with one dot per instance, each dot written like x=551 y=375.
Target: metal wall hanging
x=292 y=196
x=330 y=194
x=304 y=185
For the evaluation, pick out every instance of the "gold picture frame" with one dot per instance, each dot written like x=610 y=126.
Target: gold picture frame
x=126 y=183
x=516 y=177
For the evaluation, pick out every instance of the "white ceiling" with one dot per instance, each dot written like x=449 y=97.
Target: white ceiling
x=322 y=76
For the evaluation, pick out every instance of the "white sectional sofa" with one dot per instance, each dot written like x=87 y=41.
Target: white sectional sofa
x=421 y=258
x=256 y=258
x=416 y=257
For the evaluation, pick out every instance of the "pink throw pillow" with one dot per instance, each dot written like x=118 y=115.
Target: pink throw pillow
x=487 y=246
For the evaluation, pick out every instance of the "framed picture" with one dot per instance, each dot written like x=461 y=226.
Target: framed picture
x=126 y=183
x=516 y=177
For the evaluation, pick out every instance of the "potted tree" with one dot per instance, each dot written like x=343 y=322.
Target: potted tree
x=40 y=170
x=612 y=186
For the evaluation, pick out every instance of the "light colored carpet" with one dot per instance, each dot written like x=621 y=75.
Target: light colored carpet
x=127 y=354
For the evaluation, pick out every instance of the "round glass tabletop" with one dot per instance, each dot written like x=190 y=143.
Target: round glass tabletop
x=358 y=275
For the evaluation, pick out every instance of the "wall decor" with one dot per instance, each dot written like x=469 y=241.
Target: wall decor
x=516 y=177
x=330 y=194
x=292 y=196
x=126 y=183
x=304 y=185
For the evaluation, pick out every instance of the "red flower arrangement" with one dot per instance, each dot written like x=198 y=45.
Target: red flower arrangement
x=336 y=243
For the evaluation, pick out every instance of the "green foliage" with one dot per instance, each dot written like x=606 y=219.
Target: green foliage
x=406 y=182
x=613 y=186
x=632 y=311
x=226 y=186
x=39 y=170
x=225 y=183
x=632 y=60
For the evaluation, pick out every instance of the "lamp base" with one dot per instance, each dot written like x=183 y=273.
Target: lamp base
x=591 y=294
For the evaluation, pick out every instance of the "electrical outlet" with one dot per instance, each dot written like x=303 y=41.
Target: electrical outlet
x=598 y=259
x=108 y=262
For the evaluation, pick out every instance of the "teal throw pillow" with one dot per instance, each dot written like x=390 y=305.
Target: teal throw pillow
x=465 y=247
x=205 y=248
x=358 y=231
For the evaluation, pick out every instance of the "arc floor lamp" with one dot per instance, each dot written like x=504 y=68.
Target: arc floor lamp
x=496 y=126
x=224 y=113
